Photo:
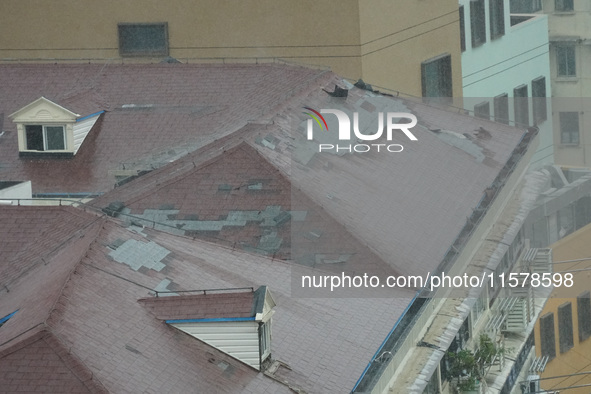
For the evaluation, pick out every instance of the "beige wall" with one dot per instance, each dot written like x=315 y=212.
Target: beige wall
x=575 y=246
x=381 y=41
x=397 y=36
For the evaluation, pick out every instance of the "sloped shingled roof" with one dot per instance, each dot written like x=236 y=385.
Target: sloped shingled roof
x=155 y=113
x=91 y=306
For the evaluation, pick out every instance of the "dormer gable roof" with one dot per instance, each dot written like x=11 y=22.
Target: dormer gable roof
x=212 y=305
x=43 y=110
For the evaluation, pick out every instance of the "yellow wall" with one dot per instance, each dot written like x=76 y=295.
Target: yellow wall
x=381 y=41
x=578 y=358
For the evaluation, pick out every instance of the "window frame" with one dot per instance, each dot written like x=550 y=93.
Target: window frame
x=44 y=128
x=563 y=53
x=444 y=82
x=265 y=339
x=146 y=52
x=561 y=124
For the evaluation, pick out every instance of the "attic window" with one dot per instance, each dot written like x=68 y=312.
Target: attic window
x=45 y=138
x=143 y=39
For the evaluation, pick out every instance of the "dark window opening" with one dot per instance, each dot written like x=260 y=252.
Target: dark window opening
x=538 y=92
x=42 y=138
x=521 y=106
x=143 y=39
x=584 y=315
x=477 y=22
x=563 y=5
x=569 y=128
x=501 y=104
x=547 y=345
x=34 y=137
x=436 y=77
x=497 y=18
x=565 y=326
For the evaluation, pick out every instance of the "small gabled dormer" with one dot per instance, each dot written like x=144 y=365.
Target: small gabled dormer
x=237 y=323
x=48 y=129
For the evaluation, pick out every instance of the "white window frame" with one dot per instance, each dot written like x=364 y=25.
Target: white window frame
x=265 y=338
x=44 y=134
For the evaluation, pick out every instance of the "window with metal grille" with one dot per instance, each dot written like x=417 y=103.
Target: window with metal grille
x=584 y=315
x=501 y=105
x=521 y=106
x=143 y=39
x=569 y=128
x=436 y=77
x=497 y=18
x=538 y=92
x=566 y=61
x=565 y=327
x=477 y=22
x=547 y=339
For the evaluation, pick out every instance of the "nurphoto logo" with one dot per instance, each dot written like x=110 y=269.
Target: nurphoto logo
x=344 y=132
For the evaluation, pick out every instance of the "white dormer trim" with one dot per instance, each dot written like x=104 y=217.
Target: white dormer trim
x=38 y=126
x=43 y=108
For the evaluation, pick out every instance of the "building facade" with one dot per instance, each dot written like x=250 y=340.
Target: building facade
x=563 y=331
x=406 y=46
x=505 y=68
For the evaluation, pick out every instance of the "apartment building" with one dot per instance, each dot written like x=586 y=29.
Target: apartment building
x=505 y=68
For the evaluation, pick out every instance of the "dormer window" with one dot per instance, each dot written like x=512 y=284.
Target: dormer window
x=46 y=129
x=45 y=137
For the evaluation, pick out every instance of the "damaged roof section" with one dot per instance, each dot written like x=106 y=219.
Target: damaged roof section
x=75 y=303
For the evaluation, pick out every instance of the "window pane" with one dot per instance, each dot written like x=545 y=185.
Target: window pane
x=497 y=18
x=143 y=39
x=521 y=106
x=538 y=92
x=584 y=315
x=569 y=128
x=548 y=347
x=565 y=326
x=565 y=57
x=34 y=137
x=55 y=137
x=477 y=22
x=502 y=108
